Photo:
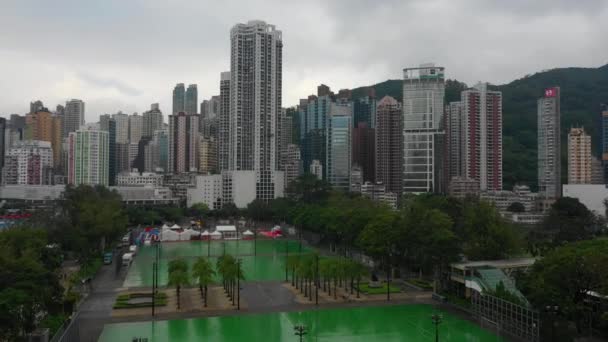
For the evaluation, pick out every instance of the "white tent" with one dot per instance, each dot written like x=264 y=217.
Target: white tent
x=248 y=232
x=205 y=233
x=216 y=235
x=187 y=234
x=175 y=226
x=165 y=226
x=169 y=235
x=228 y=232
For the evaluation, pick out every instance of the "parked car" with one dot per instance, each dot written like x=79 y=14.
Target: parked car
x=107 y=258
x=127 y=258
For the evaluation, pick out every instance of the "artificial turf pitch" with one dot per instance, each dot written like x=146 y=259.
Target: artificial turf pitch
x=369 y=324
x=268 y=263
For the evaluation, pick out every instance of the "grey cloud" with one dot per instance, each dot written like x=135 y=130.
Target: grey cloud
x=101 y=82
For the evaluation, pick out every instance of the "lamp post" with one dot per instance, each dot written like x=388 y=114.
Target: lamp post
x=154 y=270
x=436 y=318
x=300 y=330
x=317 y=280
x=552 y=310
x=286 y=260
x=388 y=277
x=238 y=284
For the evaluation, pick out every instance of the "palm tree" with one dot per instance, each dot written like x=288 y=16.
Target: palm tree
x=358 y=271
x=204 y=272
x=178 y=276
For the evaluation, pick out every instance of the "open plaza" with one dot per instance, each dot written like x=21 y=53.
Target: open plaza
x=272 y=301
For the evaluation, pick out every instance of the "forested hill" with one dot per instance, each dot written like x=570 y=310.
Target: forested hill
x=582 y=92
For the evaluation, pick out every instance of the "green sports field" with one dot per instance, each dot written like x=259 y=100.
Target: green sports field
x=268 y=263
x=369 y=324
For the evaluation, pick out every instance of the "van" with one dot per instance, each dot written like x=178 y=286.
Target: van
x=127 y=258
x=133 y=249
x=107 y=258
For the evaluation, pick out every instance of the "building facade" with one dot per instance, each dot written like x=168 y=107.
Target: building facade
x=183 y=143
x=389 y=145
x=482 y=153
x=364 y=150
x=152 y=120
x=603 y=138
x=579 y=156
x=88 y=157
x=191 y=100
x=139 y=179
x=207 y=155
x=255 y=104
x=423 y=96
x=46 y=126
x=549 y=144
x=223 y=143
x=28 y=163
x=455 y=140
x=339 y=153
x=179 y=98
x=136 y=128
x=73 y=117
x=122 y=127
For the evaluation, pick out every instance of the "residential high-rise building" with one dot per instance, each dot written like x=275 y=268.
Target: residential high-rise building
x=364 y=151
x=423 y=96
x=293 y=164
x=179 y=98
x=365 y=109
x=223 y=142
x=104 y=122
x=549 y=145
x=207 y=156
x=389 y=145
x=44 y=126
x=112 y=155
x=36 y=106
x=597 y=171
x=210 y=108
x=579 y=156
x=156 y=152
x=191 y=100
x=27 y=162
x=183 y=143
x=255 y=104
x=482 y=153
x=73 y=117
x=88 y=157
x=122 y=157
x=339 y=153
x=152 y=120
x=136 y=127
x=603 y=138
x=17 y=121
x=455 y=140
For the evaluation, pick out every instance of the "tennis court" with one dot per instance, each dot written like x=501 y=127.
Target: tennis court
x=267 y=264
x=369 y=324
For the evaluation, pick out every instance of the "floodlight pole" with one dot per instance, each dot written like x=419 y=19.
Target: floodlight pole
x=317 y=280
x=286 y=260
x=238 y=284
x=436 y=318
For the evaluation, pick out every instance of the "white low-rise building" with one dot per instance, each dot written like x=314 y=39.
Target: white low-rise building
x=139 y=179
x=591 y=195
x=208 y=190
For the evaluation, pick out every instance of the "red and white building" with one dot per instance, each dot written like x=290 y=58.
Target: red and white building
x=27 y=163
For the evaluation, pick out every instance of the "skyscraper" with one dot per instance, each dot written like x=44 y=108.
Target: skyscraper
x=3 y=147
x=73 y=117
x=207 y=156
x=455 y=140
x=255 y=104
x=36 y=106
x=27 y=162
x=549 y=145
x=136 y=127
x=339 y=153
x=579 y=156
x=44 y=126
x=423 y=94
x=179 y=98
x=183 y=143
x=191 y=100
x=364 y=150
x=389 y=144
x=482 y=155
x=88 y=157
x=313 y=125
x=223 y=143
x=122 y=127
x=152 y=120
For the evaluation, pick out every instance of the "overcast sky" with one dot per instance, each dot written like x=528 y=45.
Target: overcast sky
x=126 y=54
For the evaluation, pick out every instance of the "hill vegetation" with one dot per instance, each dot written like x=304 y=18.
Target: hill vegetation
x=582 y=92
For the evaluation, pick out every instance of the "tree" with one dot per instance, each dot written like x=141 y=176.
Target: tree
x=198 y=210
x=569 y=220
x=259 y=210
x=567 y=276
x=202 y=270
x=516 y=207
x=487 y=235
x=308 y=188
x=178 y=276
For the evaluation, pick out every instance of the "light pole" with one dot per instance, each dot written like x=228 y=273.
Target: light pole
x=317 y=280
x=286 y=260
x=300 y=330
x=238 y=284
x=553 y=310
x=436 y=318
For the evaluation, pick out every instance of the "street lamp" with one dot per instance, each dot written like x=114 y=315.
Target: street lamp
x=553 y=310
x=436 y=318
x=300 y=330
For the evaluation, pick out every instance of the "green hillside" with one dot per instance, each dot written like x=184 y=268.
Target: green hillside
x=583 y=90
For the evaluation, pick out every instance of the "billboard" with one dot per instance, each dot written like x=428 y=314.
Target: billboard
x=551 y=92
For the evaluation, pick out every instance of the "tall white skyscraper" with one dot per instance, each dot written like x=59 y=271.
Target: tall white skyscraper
x=423 y=94
x=223 y=143
x=73 y=117
x=549 y=145
x=88 y=156
x=255 y=104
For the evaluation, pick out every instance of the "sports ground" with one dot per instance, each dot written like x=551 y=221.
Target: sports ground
x=263 y=260
x=369 y=324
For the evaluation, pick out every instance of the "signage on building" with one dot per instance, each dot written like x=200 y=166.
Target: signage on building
x=550 y=92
